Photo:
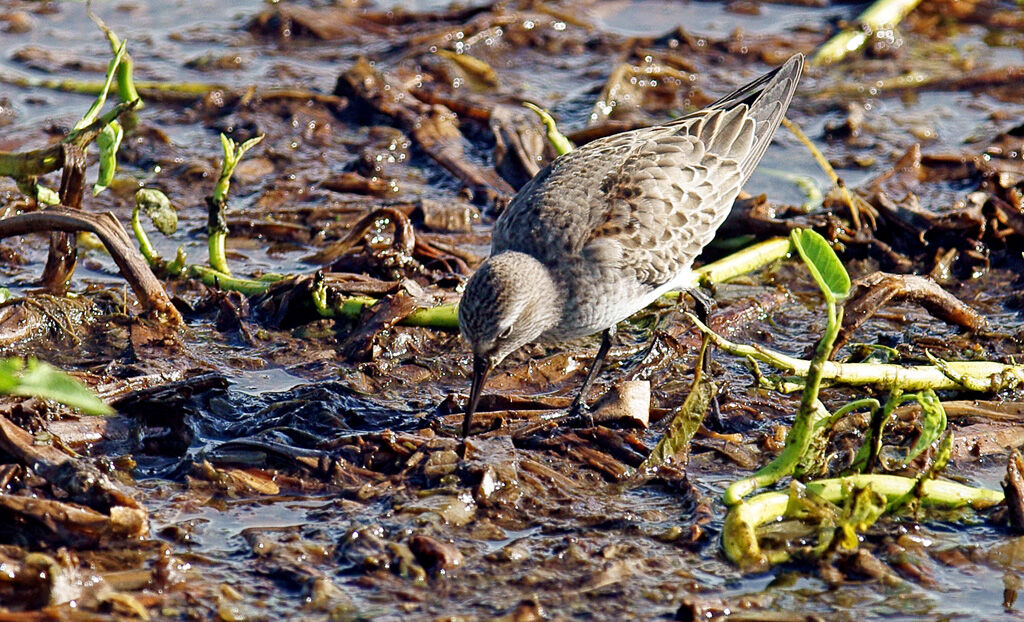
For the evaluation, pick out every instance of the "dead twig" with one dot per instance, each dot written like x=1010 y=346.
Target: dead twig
x=878 y=289
x=133 y=266
x=63 y=255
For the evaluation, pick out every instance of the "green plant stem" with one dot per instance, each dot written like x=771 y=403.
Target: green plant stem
x=440 y=317
x=558 y=140
x=880 y=15
x=810 y=418
x=216 y=278
x=145 y=247
x=27 y=164
x=217 y=225
x=218 y=252
x=741 y=262
x=797 y=441
x=739 y=538
x=971 y=375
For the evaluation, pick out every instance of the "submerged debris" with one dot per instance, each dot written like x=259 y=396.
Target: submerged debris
x=287 y=430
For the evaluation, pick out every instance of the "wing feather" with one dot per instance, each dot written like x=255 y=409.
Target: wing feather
x=649 y=200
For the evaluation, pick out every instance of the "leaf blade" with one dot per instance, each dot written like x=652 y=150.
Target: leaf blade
x=825 y=267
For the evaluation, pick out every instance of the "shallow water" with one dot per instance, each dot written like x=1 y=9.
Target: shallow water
x=585 y=548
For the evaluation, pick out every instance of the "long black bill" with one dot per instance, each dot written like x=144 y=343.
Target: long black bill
x=481 y=367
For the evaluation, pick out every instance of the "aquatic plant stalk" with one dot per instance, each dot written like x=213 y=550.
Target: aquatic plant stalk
x=880 y=15
x=217 y=225
x=852 y=201
x=984 y=376
x=222 y=280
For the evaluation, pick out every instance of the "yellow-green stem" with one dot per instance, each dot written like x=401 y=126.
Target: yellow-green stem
x=880 y=15
x=739 y=538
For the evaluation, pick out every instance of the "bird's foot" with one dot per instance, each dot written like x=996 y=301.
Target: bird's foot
x=579 y=416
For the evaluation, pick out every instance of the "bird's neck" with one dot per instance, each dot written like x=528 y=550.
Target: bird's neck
x=546 y=296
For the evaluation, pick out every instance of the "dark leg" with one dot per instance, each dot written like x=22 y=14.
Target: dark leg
x=703 y=304
x=579 y=407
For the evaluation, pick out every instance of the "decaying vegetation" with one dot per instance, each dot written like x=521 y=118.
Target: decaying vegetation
x=275 y=377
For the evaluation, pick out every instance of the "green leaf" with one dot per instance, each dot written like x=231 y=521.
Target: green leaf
x=824 y=264
x=9 y=369
x=109 y=141
x=933 y=422
x=43 y=380
x=5 y=294
x=101 y=99
x=158 y=207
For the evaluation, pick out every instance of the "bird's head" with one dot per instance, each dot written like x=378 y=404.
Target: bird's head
x=509 y=302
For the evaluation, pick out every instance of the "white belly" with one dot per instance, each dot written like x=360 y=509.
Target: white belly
x=607 y=301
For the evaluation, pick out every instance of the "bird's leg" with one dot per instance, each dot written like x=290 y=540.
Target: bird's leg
x=703 y=304
x=579 y=407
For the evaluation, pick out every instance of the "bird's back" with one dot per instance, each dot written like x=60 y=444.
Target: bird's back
x=646 y=202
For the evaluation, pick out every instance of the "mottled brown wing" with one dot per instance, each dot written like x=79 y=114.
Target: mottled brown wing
x=646 y=200
x=551 y=216
x=650 y=199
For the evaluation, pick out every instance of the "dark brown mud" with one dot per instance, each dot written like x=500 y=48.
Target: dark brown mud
x=267 y=463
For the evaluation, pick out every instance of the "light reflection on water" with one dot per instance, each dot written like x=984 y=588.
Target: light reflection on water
x=973 y=592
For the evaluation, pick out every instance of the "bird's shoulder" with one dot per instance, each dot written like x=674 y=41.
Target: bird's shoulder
x=647 y=200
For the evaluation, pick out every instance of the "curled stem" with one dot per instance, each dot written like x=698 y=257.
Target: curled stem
x=739 y=538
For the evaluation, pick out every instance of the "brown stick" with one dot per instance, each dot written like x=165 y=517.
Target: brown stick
x=877 y=289
x=60 y=263
x=133 y=266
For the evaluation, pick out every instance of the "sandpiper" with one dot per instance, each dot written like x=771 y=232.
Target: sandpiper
x=606 y=229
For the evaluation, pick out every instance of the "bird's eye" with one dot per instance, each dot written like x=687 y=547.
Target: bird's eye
x=505 y=332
